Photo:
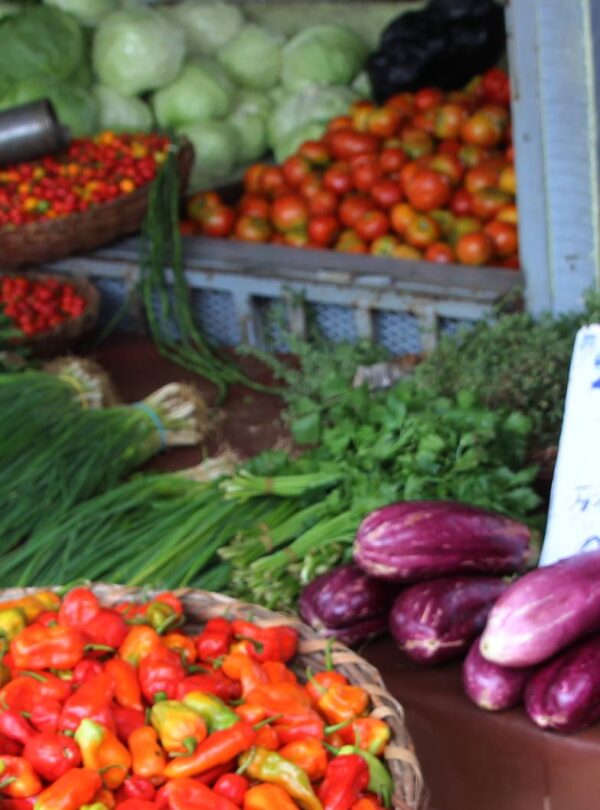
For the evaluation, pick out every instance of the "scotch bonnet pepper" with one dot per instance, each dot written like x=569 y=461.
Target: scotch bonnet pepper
x=39 y=647
x=103 y=752
x=268 y=766
x=180 y=728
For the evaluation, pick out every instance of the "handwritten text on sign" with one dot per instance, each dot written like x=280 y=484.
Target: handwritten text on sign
x=574 y=518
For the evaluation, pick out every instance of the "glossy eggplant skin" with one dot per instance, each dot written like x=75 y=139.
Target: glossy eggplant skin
x=544 y=612
x=564 y=695
x=417 y=540
x=436 y=621
x=491 y=686
x=347 y=604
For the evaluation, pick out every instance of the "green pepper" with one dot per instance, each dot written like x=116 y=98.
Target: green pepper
x=216 y=714
x=267 y=766
x=12 y=622
x=380 y=779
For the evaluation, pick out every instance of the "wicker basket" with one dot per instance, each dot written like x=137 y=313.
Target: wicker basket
x=202 y=605
x=64 y=336
x=54 y=239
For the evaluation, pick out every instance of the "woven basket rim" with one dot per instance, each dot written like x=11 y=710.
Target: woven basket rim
x=409 y=793
x=75 y=327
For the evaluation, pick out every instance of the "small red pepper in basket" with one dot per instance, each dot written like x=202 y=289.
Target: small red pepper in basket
x=232 y=786
x=267 y=643
x=79 y=607
x=52 y=755
x=214 y=641
x=47 y=648
x=17 y=778
x=91 y=701
x=14 y=726
x=160 y=675
x=72 y=790
x=188 y=794
x=347 y=777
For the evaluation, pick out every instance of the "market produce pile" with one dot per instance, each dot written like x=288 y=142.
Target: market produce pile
x=532 y=639
x=122 y=707
x=37 y=306
x=91 y=171
x=427 y=175
x=197 y=68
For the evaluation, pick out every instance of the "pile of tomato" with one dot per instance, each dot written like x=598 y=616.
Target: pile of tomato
x=39 y=305
x=91 y=171
x=427 y=175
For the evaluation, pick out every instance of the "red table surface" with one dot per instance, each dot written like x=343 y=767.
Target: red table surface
x=471 y=760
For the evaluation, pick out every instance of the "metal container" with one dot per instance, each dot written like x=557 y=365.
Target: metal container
x=29 y=132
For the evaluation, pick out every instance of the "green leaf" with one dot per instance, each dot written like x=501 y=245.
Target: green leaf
x=306 y=429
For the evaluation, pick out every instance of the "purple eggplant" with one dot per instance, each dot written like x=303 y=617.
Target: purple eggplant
x=544 y=612
x=565 y=694
x=436 y=621
x=417 y=540
x=347 y=604
x=491 y=686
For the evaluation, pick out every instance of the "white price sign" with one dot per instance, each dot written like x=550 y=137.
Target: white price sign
x=574 y=517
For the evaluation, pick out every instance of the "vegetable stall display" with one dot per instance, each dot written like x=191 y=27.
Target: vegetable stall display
x=37 y=306
x=427 y=175
x=146 y=714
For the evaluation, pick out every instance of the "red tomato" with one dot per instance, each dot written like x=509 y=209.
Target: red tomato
x=253 y=176
x=482 y=130
x=384 y=245
x=509 y=214
x=497 y=113
x=474 y=248
x=289 y=212
x=295 y=169
x=296 y=238
x=461 y=203
x=449 y=147
x=471 y=155
x=252 y=229
x=416 y=143
x=439 y=252
x=323 y=202
x=218 y=221
x=386 y=193
x=338 y=178
x=428 y=190
x=407 y=252
x=449 y=119
x=504 y=236
x=445 y=219
x=425 y=121
x=366 y=171
x=448 y=165
x=496 y=86
x=384 y=122
x=484 y=176
x=350 y=242
x=323 y=229
x=360 y=112
x=198 y=205
x=346 y=143
x=463 y=98
x=316 y=152
x=488 y=202
x=428 y=97
x=255 y=205
x=408 y=172
x=339 y=122
x=352 y=208
x=311 y=186
x=422 y=231
x=372 y=225
x=401 y=216
x=272 y=181
x=392 y=159
x=465 y=225
x=405 y=102
x=508 y=180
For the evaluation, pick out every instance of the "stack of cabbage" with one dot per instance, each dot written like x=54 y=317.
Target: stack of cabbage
x=196 y=67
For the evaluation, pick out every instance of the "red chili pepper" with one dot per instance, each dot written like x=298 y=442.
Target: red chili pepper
x=126 y=721
x=161 y=674
x=215 y=640
x=107 y=628
x=10 y=747
x=37 y=648
x=14 y=726
x=92 y=701
x=188 y=794
x=267 y=643
x=28 y=690
x=136 y=804
x=52 y=755
x=126 y=684
x=215 y=683
x=137 y=787
x=346 y=778
x=232 y=786
x=86 y=669
x=79 y=607
x=45 y=715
